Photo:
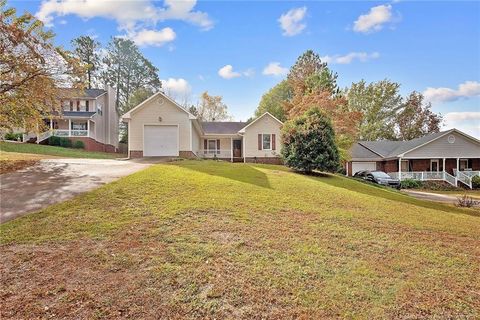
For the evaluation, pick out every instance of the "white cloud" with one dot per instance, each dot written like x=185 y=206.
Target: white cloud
x=465 y=90
x=350 y=57
x=374 y=19
x=468 y=122
x=274 y=69
x=128 y=14
x=291 y=22
x=250 y=72
x=155 y=38
x=176 y=87
x=227 y=72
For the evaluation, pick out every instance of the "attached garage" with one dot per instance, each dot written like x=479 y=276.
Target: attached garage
x=160 y=141
x=360 y=166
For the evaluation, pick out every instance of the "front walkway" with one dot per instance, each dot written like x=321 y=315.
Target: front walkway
x=56 y=180
x=444 y=198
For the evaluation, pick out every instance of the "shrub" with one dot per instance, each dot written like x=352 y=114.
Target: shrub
x=79 y=144
x=54 y=141
x=309 y=143
x=439 y=186
x=13 y=136
x=465 y=201
x=65 y=142
x=476 y=182
x=411 y=184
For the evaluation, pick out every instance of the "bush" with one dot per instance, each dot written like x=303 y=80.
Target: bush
x=476 y=182
x=65 y=142
x=13 y=136
x=309 y=143
x=79 y=144
x=54 y=141
x=439 y=186
x=411 y=184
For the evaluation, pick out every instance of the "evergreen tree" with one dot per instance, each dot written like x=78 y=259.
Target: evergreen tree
x=86 y=50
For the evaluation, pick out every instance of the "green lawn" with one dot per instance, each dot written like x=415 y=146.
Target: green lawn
x=204 y=239
x=54 y=151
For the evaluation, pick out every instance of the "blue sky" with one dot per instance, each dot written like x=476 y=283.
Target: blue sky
x=225 y=47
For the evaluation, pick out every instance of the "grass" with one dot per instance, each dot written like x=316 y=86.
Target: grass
x=204 y=239
x=12 y=161
x=54 y=151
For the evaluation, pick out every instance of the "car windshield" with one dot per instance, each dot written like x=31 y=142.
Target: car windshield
x=380 y=174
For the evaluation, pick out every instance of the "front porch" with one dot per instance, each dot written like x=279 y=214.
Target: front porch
x=222 y=148
x=69 y=128
x=449 y=170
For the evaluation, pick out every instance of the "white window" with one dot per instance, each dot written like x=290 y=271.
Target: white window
x=79 y=125
x=82 y=105
x=212 y=146
x=267 y=142
x=463 y=164
x=99 y=109
x=66 y=105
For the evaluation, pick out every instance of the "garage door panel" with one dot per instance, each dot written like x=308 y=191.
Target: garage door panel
x=360 y=166
x=160 y=140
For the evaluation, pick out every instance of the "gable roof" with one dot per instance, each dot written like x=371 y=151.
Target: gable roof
x=222 y=127
x=77 y=93
x=395 y=149
x=263 y=115
x=128 y=114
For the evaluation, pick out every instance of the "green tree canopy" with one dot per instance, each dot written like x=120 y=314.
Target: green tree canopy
x=273 y=101
x=309 y=143
x=379 y=102
x=86 y=50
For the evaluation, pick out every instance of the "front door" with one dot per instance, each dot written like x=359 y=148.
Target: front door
x=237 y=148
x=434 y=165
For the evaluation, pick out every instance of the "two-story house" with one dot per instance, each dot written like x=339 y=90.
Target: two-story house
x=88 y=115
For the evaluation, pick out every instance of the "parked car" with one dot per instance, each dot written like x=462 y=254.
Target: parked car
x=378 y=177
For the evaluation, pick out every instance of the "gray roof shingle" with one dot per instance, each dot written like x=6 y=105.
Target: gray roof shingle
x=76 y=93
x=388 y=148
x=222 y=127
x=83 y=114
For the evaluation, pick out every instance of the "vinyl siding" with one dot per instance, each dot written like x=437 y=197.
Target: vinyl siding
x=441 y=148
x=195 y=139
x=266 y=125
x=149 y=114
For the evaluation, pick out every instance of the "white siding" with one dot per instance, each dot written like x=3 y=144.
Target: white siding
x=150 y=113
x=195 y=139
x=266 y=125
x=441 y=148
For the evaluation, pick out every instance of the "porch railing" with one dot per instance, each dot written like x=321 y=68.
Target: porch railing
x=212 y=154
x=465 y=179
x=435 y=175
x=70 y=133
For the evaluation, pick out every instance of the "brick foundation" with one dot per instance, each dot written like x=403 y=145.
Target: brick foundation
x=92 y=145
x=135 y=154
x=266 y=160
x=187 y=154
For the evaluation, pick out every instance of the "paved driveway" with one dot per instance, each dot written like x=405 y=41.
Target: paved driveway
x=56 y=180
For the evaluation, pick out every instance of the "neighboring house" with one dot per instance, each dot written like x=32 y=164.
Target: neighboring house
x=88 y=115
x=160 y=127
x=451 y=156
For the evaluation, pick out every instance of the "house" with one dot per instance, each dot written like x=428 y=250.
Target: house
x=160 y=127
x=88 y=115
x=451 y=156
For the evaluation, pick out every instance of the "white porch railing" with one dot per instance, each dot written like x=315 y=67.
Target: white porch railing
x=471 y=173
x=70 y=133
x=435 y=175
x=465 y=179
x=43 y=136
x=212 y=154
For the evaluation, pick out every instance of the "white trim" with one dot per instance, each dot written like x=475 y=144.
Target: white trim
x=208 y=146
x=271 y=136
x=129 y=114
x=191 y=137
x=231 y=149
x=164 y=125
x=459 y=163
x=266 y=113
x=431 y=165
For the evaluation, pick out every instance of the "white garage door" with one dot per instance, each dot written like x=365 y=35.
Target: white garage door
x=360 y=166
x=160 y=141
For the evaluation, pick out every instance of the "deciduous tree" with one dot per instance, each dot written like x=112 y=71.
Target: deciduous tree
x=416 y=118
x=32 y=69
x=274 y=101
x=212 y=108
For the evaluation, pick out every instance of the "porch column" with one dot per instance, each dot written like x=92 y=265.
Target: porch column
x=51 y=124
x=444 y=169
x=458 y=164
x=243 y=149
x=400 y=169
x=88 y=128
x=231 y=149
x=69 y=127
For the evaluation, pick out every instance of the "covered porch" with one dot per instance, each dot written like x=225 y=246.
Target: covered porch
x=221 y=147
x=451 y=170
x=66 y=127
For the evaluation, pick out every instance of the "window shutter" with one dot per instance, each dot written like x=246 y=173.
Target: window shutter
x=259 y=142
x=205 y=146
x=273 y=142
x=218 y=146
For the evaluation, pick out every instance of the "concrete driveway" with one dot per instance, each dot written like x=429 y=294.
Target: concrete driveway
x=56 y=180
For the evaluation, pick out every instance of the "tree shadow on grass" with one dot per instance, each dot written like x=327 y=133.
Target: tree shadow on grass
x=383 y=192
x=237 y=171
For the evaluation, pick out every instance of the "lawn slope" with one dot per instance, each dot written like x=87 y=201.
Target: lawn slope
x=32 y=148
x=196 y=239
